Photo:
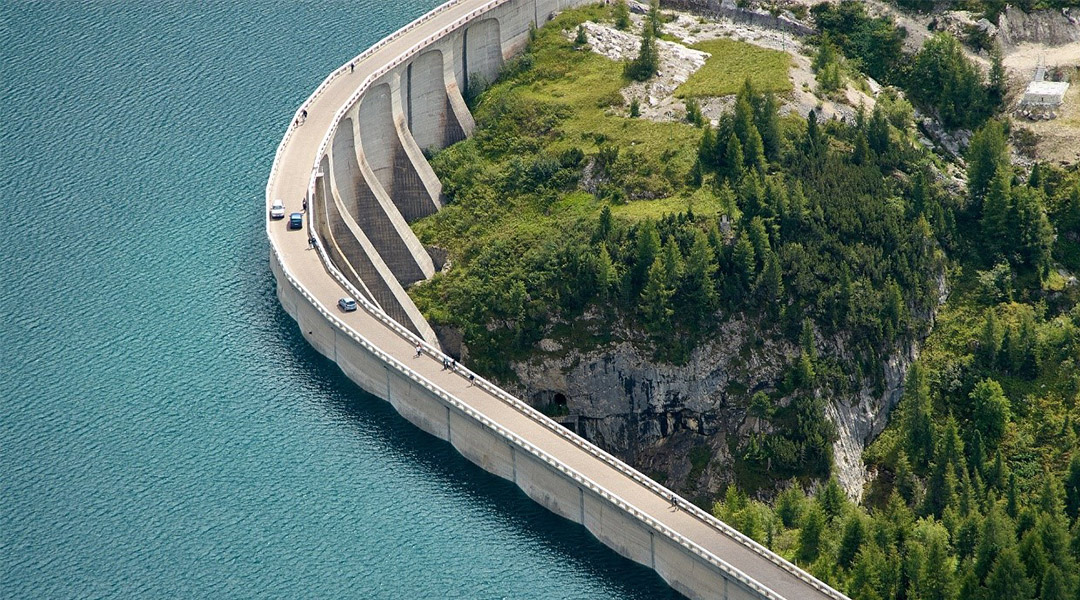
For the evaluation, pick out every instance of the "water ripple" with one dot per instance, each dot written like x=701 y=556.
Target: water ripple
x=166 y=430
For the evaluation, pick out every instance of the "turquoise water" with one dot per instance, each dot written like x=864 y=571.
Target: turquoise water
x=165 y=431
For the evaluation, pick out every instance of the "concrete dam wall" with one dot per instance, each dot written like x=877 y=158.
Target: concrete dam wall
x=354 y=158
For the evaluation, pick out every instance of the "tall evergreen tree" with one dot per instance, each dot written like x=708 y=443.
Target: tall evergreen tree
x=1072 y=488
x=987 y=153
x=656 y=298
x=990 y=411
x=1053 y=585
x=622 y=15
x=1007 y=578
x=997 y=207
x=699 y=284
x=648 y=248
x=995 y=91
x=645 y=65
x=732 y=163
x=918 y=417
x=1036 y=235
x=767 y=120
x=811 y=534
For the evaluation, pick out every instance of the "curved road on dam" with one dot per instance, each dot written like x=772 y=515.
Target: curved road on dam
x=290 y=180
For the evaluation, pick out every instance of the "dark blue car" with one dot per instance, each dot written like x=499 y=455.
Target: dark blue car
x=296 y=221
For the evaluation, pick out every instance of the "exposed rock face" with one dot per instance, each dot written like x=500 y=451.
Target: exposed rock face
x=653 y=414
x=860 y=419
x=1050 y=27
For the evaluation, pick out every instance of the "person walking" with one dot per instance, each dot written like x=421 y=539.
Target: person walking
x=419 y=350
x=674 y=501
x=352 y=66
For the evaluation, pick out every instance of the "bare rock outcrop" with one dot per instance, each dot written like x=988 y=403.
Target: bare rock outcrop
x=1050 y=27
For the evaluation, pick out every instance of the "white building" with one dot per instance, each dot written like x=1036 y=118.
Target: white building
x=1044 y=94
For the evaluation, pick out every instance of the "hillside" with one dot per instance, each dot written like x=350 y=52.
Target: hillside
x=734 y=297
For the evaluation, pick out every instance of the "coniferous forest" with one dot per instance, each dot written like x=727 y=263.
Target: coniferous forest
x=565 y=211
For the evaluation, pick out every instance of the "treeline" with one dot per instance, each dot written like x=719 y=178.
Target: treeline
x=938 y=77
x=985 y=544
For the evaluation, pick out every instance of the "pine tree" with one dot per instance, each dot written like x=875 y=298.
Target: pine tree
x=1036 y=235
x=755 y=151
x=990 y=411
x=831 y=498
x=652 y=19
x=699 y=283
x=1072 y=488
x=581 y=39
x=852 y=540
x=771 y=283
x=744 y=259
x=997 y=207
x=938 y=580
x=826 y=65
x=656 y=298
x=767 y=120
x=861 y=154
x=673 y=264
x=996 y=535
x=732 y=166
x=813 y=145
x=789 y=506
x=603 y=225
x=647 y=62
x=1053 y=585
x=810 y=535
x=707 y=147
x=995 y=92
x=648 y=247
x=605 y=274
x=987 y=153
x=894 y=305
x=918 y=417
x=877 y=132
x=622 y=15
x=990 y=339
x=1007 y=578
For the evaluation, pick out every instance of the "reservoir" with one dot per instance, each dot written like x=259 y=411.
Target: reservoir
x=165 y=430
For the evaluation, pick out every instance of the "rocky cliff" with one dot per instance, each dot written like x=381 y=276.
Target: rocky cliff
x=1050 y=27
x=662 y=417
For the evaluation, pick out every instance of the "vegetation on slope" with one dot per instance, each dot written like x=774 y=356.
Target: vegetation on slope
x=939 y=78
x=567 y=219
x=731 y=63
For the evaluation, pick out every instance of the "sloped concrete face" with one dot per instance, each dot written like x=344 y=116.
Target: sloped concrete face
x=432 y=119
x=483 y=51
x=414 y=187
x=360 y=193
x=377 y=135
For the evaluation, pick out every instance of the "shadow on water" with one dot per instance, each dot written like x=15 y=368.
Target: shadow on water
x=450 y=470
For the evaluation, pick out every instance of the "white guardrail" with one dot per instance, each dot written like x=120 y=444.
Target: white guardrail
x=703 y=516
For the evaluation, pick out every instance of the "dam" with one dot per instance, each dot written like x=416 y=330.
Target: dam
x=355 y=158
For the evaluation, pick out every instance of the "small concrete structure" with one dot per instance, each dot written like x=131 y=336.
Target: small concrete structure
x=1041 y=97
x=1045 y=93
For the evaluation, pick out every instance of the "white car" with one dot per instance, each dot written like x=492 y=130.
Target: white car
x=347 y=304
x=277 y=209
